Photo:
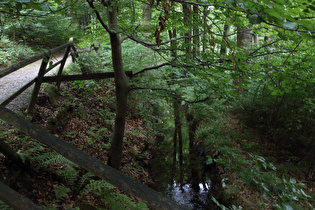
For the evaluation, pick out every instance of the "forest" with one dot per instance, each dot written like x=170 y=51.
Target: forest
x=210 y=105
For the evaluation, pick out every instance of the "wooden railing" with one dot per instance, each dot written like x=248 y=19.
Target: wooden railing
x=42 y=71
x=41 y=78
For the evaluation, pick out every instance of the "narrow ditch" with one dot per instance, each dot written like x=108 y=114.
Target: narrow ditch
x=190 y=183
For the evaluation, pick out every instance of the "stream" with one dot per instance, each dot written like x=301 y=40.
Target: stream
x=188 y=183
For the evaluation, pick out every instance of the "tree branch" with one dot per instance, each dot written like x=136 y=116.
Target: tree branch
x=266 y=45
x=292 y=52
x=125 y=37
x=153 y=67
x=172 y=93
x=98 y=16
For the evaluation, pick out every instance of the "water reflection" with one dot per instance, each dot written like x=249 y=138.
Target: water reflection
x=187 y=196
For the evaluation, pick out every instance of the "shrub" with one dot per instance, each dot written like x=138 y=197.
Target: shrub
x=50 y=31
x=11 y=52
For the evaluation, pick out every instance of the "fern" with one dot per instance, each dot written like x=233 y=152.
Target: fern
x=61 y=191
x=70 y=174
x=85 y=179
x=112 y=200
x=49 y=158
x=97 y=186
x=4 y=206
x=128 y=203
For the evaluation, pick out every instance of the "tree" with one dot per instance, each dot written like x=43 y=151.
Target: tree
x=121 y=80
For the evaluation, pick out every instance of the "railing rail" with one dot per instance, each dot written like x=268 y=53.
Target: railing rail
x=42 y=71
x=7 y=70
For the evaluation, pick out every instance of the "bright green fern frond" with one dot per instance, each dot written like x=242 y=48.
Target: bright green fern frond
x=49 y=158
x=70 y=174
x=85 y=179
x=97 y=186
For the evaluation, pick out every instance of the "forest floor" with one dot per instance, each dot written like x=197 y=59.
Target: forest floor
x=82 y=122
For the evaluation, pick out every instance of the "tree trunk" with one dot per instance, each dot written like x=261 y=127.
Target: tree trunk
x=193 y=154
x=196 y=38
x=256 y=39
x=244 y=37
x=225 y=39
x=147 y=13
x=122 y=90
x=178 y=128
x=172 y=34
x=187 y=17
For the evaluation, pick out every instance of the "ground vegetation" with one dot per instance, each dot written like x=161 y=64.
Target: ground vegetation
x=235 y=78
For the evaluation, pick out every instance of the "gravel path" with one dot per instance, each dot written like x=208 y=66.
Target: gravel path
x=14 y=81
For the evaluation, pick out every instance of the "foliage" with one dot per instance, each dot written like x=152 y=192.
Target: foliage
x=48 y=31
x=247 y=173
x=4 y=206
x=11 y=52
x=89 y=62
x=112 y=200
x=61 y=191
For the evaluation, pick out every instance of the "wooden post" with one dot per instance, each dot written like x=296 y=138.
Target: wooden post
x=38 y=83
x=74 y=54
x=62 y=65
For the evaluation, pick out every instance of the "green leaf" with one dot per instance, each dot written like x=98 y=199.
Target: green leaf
x=209 y=160
x=290 y=25
x=18 y=6
x=44 y=7
x=254 y=19
x=229 y=1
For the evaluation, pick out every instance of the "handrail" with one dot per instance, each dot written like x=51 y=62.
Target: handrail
x=7 y=70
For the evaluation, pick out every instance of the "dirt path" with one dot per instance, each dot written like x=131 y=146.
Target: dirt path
x=14 y=81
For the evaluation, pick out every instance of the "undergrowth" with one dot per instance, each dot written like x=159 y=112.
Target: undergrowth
x=90 y=107
x=11 y=51
x=248 y=179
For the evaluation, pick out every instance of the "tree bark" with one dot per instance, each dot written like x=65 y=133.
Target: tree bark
x=175 y=146
x=225 y=39
x=244 y=37
x=187 y=17
x=193 y=155
x=172 y=34
x=122 y=90
x=196 y=38
x=178 y=129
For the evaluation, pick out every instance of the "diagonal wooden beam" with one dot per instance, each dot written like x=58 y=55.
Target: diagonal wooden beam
x=14 y=199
